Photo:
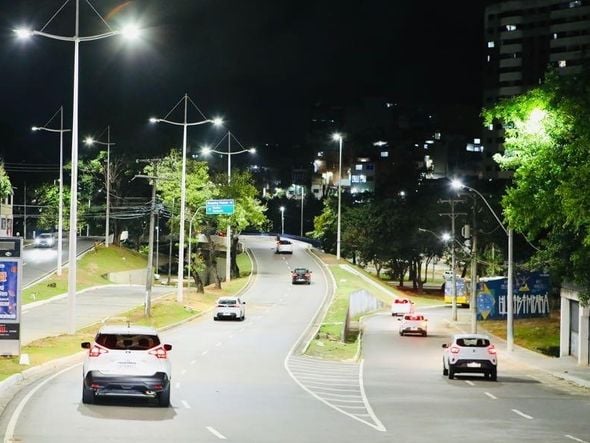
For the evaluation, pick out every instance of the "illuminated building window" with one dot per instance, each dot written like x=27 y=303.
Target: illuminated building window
x=562 y=63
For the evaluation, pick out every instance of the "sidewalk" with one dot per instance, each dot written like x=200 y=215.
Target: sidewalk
x=565 y=368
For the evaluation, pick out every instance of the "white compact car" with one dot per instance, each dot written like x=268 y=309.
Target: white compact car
x=126 y=361
x=470 y=353
x=413 y=324
x=401 y=306
x=232 y=308
x=45 y=240
x=284 y=247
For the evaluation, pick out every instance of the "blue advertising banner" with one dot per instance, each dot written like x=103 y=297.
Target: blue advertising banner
x=8 y=290
x=530 y=297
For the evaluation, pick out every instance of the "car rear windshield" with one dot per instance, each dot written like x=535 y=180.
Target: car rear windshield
x=473 y=342
x=133 y=342
x=227 y=302
x=284 y=242
x=401 y=301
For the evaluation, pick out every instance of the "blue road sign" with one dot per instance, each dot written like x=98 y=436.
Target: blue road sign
x=220 y=207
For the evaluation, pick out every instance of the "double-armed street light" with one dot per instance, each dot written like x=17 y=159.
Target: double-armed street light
x=61 y=131
x=338 y=137
x=207 y=150
x=185 y=124
x=456 y=184
x=131 y=32
x=90 y=141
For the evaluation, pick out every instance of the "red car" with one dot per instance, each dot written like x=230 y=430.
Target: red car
x=301 y=275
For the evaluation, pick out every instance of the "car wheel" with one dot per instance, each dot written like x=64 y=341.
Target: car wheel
x=451 y=372
x=87 y=395
x=424 y=334
x=494 y=375
x=215 y=318
x=401 y=334
x=164 y=397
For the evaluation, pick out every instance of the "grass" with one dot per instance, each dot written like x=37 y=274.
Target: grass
x=92 y=270
x=166 y=311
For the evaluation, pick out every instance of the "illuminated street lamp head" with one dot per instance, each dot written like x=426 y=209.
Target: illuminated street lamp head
x=34 y=128
x=88 y=141
x=217 y=121
x=205 y=150
x=282 y=208
x=336 y=136
x=446 y=236
x=23 y=33
x=457 y=184
x=154 y=120
x=131 y=32
x=252 y=150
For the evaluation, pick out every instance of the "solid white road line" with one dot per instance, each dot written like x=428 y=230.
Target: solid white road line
x=185 y=404
x=469 y=382
x=522 y=414
x=9 y=436
x=575 y=439
x=492 y=396
x=216 y=433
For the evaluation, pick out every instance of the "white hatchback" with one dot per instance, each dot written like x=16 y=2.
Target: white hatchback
x=470 y=353
x=126 y=361
x=413 y=324
x=230 y=308
x=284 y=247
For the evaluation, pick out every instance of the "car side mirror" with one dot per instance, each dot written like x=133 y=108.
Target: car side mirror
x=243 y=302
x=168 y=347
x=445 y=345
x=85 y=345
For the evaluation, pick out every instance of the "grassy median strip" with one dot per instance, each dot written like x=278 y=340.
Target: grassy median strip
x=165 y=311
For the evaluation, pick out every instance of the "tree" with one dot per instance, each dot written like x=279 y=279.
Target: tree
x=547 y=145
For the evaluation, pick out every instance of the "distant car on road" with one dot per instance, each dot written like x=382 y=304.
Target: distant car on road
x=470 y=353
x=284 y=247
x=301 y=275
x=401 y=306
x=413 y=324
x=45 y=240
x=233 y=308
x=126 y=361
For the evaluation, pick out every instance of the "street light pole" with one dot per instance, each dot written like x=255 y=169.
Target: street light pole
x=108 y=144
x=72 y=250
x=510 y=295
x=185 y=124
x=282 y=208
x=229 y=153
x=302 y=194
x=338 y=137
x=61 y=131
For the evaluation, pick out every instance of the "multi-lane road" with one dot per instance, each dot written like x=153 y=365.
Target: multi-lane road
x=245 y=382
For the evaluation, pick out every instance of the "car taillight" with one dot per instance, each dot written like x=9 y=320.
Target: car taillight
x=159 y=352
x=97 y=351
x=491 y=350
x=454 y=349
x=307 y=274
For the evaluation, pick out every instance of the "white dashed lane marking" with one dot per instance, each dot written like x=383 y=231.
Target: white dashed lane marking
x=216 y=433
x=579 y=440
x=492 y=396
x=522 y=414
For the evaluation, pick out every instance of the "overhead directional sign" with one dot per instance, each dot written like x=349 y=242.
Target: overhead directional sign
x=220 y=207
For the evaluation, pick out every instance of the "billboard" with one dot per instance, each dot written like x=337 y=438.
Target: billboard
x=8 y=290
x=530 y=296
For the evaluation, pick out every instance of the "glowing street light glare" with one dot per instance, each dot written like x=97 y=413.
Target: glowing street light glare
x=534 y=124
x=206 y=150
x=153 y=120
x=34 y=128
x=23 y=32
x=252 y=150
x=457 y=184
x=446 y=236
x=88 y=141
x=336 y=136
x=131 y=32
x=217 y=121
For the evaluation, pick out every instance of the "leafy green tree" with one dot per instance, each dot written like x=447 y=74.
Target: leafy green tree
x=547 y=145
x=324 y=225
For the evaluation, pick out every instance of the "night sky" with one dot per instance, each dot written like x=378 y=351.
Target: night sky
x=260 y=64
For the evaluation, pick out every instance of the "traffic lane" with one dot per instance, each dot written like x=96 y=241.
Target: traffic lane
x=405 y=374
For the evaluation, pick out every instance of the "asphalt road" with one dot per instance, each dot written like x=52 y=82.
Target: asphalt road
x=238 y=381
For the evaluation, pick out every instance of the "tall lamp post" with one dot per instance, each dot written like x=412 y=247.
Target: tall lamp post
x=130 y=31
x=61 y=131
x=282 y=209
x=185 y=124
x=456 y=184
x=228 y=153
x=338 y=137
x=90 y=141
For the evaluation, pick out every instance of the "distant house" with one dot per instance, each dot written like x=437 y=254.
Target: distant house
x=575 y=326
x=6 y=216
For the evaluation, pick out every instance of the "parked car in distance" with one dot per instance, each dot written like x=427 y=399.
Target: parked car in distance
x=233 y=308
x=470 y=353
x=284 y=247
x=45 y=240
x=301 y=275
x=126 y=361
x=401 y=306
x=413 y=324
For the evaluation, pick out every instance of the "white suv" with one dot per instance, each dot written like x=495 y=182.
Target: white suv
x=127 y=361
x=469 y=353
x=231 y=308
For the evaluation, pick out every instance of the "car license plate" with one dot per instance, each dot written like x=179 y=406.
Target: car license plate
x=474 y=365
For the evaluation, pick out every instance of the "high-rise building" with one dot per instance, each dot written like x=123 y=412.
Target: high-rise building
x=523 y=38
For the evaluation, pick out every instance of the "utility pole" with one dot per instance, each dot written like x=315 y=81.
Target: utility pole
x=453 y=215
